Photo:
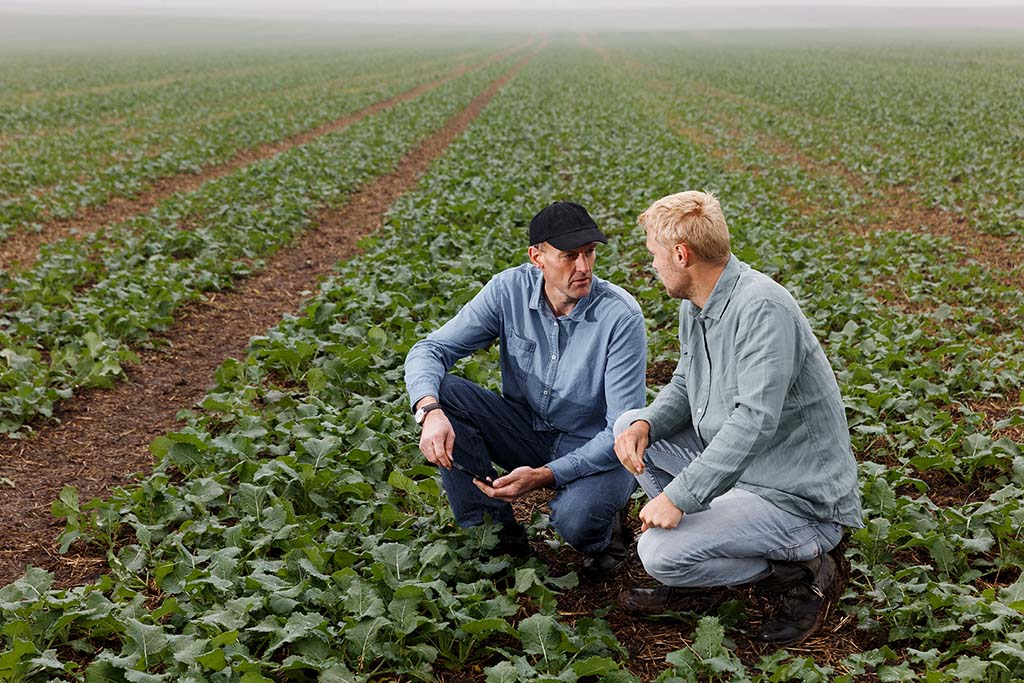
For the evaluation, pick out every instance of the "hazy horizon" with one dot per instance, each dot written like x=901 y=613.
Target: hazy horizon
x=556 y=14
x=569 y=15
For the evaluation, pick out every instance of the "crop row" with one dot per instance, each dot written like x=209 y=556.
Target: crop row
x=925 y=117
x=72 y=319
x=183 y=127
x=292 y=530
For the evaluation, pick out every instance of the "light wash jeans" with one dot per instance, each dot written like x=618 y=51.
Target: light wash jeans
x=728 y=544
x=490 y=429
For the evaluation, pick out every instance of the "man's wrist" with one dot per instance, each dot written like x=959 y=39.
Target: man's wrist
x=433 y=414
x=549 y=476
x=644 y=424
x=423 y=409
x=424 y=401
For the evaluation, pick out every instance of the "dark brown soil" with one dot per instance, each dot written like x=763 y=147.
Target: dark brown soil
x=104 y=436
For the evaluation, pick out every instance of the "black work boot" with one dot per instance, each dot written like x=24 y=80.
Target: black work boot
x=807 y=591
x=513 y=541
x=604 y=564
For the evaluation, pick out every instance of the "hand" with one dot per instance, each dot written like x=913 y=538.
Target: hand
x=437 y=438
x=631 y=444
x=660 y=512
x=517 y=482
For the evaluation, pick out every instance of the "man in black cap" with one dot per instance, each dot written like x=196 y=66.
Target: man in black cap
x=573 y=356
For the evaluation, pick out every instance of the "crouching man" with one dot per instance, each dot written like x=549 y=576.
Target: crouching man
x=573 y=355
x=745 y=454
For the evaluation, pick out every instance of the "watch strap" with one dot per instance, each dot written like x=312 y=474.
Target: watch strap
x=421 y=412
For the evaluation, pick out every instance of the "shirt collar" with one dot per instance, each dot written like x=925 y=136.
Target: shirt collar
x=720 y=296
x=578 y=312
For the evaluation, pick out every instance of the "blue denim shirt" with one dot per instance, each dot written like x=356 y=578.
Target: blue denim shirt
x=755 y=384
x=577 y=372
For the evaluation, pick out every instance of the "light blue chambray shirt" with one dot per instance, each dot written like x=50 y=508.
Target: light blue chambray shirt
x=577 y=373
x=755 y=384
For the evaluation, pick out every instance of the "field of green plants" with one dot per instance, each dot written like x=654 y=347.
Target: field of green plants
x=291 y=530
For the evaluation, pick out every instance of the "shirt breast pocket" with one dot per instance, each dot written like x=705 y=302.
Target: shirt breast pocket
x=520 y=354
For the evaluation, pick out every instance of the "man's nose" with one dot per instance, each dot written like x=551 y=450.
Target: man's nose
x=582 y=263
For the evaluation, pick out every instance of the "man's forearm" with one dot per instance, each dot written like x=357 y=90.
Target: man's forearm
x=596 y=455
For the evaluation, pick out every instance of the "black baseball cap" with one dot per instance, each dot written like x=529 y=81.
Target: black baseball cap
x=565 y=225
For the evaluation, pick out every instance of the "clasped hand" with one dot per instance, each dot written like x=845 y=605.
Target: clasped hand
x=437 y=441
x=517 y=482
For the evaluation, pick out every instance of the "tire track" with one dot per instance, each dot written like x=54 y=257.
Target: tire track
x=104 y=434
x=20 y=250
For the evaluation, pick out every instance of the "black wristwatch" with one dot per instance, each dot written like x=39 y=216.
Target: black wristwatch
x=421 y=413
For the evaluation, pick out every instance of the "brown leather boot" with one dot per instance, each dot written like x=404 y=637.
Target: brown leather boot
x=806 y=592
x=650 y=601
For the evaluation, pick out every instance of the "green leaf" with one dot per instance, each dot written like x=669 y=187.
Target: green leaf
x=540 y=636
x=363 y=601
x=148 y=640
x=364 y=638
x=213 y=660
x=104 y=672
x=708 y=637
x=489 y=625
x=503 y=672
x=971 y=668
x=594 y=666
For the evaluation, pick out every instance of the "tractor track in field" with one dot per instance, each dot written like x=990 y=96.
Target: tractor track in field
x=104 y=435
x=21 y=249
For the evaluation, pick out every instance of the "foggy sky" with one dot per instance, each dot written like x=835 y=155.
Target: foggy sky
x=566 y=14
x=340 y=7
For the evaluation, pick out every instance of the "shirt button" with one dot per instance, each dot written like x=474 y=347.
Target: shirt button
x=699 y=410
x=553 y=357
x=545 y=392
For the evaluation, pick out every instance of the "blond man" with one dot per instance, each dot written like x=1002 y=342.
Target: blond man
x=745 y=454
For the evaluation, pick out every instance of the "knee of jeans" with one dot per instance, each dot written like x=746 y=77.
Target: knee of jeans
x=624 y=420
x=454 y=393
x=662 y=566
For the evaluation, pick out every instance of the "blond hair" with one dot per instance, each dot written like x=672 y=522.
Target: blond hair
x=693 y=218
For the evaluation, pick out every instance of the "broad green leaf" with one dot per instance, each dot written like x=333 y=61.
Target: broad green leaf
x=503 y=672
x=540 y=636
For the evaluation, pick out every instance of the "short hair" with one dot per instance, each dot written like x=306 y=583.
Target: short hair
x=692 y=217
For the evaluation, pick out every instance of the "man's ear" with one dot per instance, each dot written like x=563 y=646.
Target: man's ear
x=534 y=253
x=681 y=253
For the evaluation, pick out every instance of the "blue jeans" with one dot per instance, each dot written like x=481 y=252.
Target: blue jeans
x=490 y=429
x=728 y=544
